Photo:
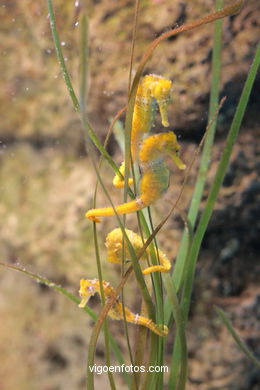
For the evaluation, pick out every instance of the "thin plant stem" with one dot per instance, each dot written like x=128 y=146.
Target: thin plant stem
x=61 y=57
x=183 y=252
x=89 y=132
x=83 y=62
x=188 y=227
x=83 y=94
x=177 y=382
x=141 y=340
x=135 y=24
x=235 y=336
x=217 y=183
x=134 y=34
x=102 y=294
x=206 y=153
x=158 y=290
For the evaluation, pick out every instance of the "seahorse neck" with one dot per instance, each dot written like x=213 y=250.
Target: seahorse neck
x=150 y=150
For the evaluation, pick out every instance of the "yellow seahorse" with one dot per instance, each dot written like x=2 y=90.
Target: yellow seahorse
x=90 y=287
x=114 y=244
x=150 y=88
x=154 y=174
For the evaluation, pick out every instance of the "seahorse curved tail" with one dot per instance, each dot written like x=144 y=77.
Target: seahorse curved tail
x=124 y=208
x=160 y=330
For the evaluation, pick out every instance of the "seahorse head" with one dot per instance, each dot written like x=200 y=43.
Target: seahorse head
x=160 y=89
x=168 y=144
x=87 y=289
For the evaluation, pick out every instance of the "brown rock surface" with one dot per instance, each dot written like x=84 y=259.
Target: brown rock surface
x=46 y=186
x=35 y=104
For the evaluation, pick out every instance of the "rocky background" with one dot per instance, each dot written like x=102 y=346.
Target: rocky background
x=47 y=184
